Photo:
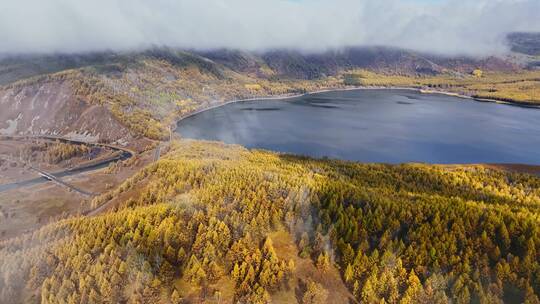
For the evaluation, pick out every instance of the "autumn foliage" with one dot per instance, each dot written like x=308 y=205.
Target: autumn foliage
x=199 y=230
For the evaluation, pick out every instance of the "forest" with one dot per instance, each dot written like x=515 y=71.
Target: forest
x=52 y=152
x=521 y=87
x=218 y=223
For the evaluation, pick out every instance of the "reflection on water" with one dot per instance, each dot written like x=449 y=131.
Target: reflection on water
x=391 y=126
x=260 y=109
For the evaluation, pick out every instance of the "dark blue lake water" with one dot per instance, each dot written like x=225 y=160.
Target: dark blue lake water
x=390 y=126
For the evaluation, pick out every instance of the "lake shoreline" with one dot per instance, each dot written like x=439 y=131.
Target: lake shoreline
x=479 y=99
x=418 y=90
x=390 y=91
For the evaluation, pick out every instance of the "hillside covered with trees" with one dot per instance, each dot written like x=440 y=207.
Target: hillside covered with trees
x=218 y=223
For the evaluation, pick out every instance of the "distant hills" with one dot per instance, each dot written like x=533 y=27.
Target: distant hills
x=268 y=64
x=525 y=43
x=280 y=62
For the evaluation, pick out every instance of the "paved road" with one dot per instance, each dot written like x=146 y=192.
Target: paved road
x=60 y=182
x=72 y=141
x=55 y=177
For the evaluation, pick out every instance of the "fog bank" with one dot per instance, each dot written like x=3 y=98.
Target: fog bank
x=469 y=27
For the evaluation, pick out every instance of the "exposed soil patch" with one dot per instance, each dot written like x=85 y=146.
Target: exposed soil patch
x=28 y=208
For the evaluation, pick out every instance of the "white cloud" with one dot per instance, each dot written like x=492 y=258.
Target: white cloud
x=447 y=26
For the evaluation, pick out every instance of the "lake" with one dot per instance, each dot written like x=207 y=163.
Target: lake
x=387 y=126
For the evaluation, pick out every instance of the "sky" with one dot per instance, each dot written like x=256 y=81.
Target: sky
x=465 y=27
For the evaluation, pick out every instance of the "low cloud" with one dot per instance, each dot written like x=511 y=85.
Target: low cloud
x=471 y=27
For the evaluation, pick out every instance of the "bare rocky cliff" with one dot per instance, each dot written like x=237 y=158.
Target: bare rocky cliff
x=51 y=108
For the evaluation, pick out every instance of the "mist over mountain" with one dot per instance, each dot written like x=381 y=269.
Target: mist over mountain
x=449 y=27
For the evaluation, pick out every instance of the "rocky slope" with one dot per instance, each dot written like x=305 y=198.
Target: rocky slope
x=52 y=108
